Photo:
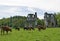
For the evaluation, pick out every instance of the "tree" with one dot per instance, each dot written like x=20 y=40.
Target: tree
x=58 y=18
x=40 y=21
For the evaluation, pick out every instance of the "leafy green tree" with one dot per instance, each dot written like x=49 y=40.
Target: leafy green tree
x=58 y=18
x=40 y=21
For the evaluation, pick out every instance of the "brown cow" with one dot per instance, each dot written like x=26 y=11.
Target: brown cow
x=5 y=28
x=41 y=27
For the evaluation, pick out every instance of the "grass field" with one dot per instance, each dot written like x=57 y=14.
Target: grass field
x=50 y=34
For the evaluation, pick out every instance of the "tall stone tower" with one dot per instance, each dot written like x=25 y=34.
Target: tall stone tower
x=35 y=18
x=50 y=20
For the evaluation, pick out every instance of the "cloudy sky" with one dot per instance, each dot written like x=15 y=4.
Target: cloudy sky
x=48 y=5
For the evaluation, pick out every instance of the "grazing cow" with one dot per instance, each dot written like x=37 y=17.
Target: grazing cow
x=26 y=28
x=41 y=27
x=17 y=28
x=31 y=28
x=5 y=28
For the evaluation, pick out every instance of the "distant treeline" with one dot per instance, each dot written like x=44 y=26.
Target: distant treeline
x=17 y=21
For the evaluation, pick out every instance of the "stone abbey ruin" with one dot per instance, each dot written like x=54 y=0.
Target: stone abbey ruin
x=31 y=20
x=50 y=20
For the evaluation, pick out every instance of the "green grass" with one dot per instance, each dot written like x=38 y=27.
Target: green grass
x=50 y=34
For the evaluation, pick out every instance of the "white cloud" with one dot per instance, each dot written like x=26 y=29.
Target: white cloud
x=11 y=10
x=43 y=4
x=7 y=11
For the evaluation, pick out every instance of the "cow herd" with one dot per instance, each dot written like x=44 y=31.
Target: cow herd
x=7 y=28
x=39 y=27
